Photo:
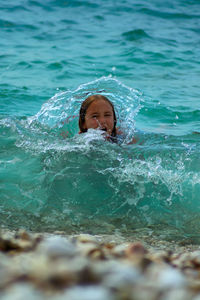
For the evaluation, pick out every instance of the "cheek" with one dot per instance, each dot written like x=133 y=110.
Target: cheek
x=112 y=122
x=92 y=123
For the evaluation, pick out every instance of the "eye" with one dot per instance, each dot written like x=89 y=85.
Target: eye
x=108 y=115
x=94 y=116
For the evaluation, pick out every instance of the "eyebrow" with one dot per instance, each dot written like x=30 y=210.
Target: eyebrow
x=93 y=113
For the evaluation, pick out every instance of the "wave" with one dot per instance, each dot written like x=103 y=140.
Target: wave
x=134 y=35
x=170 y=14
x=51 y=177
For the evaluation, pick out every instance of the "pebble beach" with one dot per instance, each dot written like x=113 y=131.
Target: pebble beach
x=97 y=267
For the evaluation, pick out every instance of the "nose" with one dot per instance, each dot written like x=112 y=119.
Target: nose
x=102 y=121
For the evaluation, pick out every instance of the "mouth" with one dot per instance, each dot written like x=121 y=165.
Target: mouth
x=103 y=129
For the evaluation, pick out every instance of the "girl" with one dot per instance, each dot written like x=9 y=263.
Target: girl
x=98 y=112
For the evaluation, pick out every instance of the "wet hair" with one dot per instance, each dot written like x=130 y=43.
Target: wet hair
x=84 y=107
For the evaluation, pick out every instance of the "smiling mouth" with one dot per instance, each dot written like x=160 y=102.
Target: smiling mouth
x=103 y=129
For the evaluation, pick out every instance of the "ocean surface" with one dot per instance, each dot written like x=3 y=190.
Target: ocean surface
x=144 y=56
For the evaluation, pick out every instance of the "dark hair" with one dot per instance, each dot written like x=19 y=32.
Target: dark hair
x=84 y=107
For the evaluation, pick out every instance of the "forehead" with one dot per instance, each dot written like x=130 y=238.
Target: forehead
x=99 y=105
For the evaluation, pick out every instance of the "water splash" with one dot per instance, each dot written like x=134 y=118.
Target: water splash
x=62 y=111
x=49 y=179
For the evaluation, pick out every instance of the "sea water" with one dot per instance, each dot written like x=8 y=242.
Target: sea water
x=144 y=56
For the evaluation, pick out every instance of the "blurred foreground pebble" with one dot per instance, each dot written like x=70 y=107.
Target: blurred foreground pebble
x=36 y=266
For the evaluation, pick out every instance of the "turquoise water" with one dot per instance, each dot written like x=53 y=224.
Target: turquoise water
x=145 y=58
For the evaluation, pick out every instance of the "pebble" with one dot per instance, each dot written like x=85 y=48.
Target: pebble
x=86 y=293
x=21 y=291
x=171 y=278
x=57 y=246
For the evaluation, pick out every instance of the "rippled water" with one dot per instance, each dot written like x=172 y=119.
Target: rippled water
x=144 y=57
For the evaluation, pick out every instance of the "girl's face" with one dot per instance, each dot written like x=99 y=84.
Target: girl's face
x=99 y=115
